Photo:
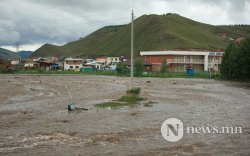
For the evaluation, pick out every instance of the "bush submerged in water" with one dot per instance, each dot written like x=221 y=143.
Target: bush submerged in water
x=134 y=91
x=131 y=99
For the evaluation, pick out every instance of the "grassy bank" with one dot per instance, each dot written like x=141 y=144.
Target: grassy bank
x=206 y=75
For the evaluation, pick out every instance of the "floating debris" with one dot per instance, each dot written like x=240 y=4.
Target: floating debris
x=72 y=107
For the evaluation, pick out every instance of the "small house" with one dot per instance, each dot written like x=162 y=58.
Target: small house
x=15 y=62
x=73 y=64
x=113 y=61
x=31 y=64
x=102 y=60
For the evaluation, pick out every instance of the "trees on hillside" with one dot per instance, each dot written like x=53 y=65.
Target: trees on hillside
x=236 y=61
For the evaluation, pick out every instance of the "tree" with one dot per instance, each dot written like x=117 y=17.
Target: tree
x=226 y=61
x=228 y=65
x=164 y=66
x=121 y=68
x=139 y=68
x=244 y=59
x=235 y=62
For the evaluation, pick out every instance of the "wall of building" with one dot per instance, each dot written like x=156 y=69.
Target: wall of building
x=113 y=60
x=179 y=61
x=73 y=64
x=101 y=59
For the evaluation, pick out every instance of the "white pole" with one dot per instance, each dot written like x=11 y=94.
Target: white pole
x=132 y=50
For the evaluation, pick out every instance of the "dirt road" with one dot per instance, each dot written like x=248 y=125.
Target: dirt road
x=34 y=119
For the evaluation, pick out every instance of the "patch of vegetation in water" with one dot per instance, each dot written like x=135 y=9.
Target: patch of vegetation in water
x=131 y=99
x=135 y=91
x=112 y=105
x=149 y=104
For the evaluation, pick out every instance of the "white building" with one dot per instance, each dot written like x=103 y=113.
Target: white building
x=94 y=64
x=31 y=64
x=73 y=64
x=15 y=62
x=112 y=61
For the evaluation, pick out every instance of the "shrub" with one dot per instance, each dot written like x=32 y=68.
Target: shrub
x=139 y=68
x=135 y=91
x=121 y=68
x=130 y=99
x=163 y=68
x=235 y=61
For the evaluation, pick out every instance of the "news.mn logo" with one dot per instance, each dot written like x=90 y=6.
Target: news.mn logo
x=172 y=129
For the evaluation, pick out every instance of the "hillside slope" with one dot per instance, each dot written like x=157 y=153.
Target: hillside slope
x=7 y=54
x=152 y=32
x=24 y=54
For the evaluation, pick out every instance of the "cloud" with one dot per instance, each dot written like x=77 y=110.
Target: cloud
x=62 y=21
x=7 y=33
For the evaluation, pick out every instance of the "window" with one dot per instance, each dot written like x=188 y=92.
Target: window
x=71 y=67
x=77 y=67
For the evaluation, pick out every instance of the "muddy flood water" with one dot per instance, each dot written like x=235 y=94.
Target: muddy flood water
x=34 y=119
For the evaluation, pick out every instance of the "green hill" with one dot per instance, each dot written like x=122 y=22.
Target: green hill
x=7 y=54
x=152 y=32
x=24 y=54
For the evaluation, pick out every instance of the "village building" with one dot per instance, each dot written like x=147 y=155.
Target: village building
x=4 y=63
x=93 y=64
x=15 y=61
x=180 y=61
x=45 y=64
x=124 y=58
x=36 y=59
x=73 y=64
x=31 y=64
x=102 y=60
x=112 y=61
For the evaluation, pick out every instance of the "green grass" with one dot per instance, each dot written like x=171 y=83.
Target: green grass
x=202 y=75
x=125 y=101
x=130 y=98
x=62 y=72
x=112 y=105
x=149 y=104
x=122 y=102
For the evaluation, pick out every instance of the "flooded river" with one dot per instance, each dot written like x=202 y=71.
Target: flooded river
x=34 y=119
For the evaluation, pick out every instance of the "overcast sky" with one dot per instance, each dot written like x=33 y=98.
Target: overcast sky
x=36 y=22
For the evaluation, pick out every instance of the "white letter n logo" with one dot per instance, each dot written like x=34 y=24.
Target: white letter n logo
x=172 y=129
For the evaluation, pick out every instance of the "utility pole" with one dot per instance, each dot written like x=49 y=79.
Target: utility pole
x=132 y=50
